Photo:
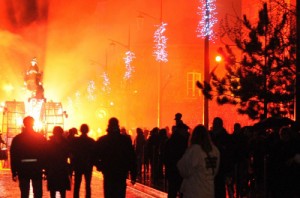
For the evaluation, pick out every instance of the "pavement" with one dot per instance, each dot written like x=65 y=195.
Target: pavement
x=10 y=189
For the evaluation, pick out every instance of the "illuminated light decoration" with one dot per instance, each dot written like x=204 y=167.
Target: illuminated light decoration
x=106 y=83
x=160 y=41
x=129 y=56
x=207 y=11
x=91 y=90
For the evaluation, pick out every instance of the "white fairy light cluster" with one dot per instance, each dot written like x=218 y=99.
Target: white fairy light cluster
x=129 y=56
x=106 y=83
x=160 y=41
x=91 y=90
x=207 y=12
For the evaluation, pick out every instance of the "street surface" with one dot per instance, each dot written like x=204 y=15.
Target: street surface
x=10 y=189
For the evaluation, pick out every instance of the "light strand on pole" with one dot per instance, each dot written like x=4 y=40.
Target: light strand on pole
x=106 y=83
x=129 y=56
x=91 y=90
x=160 y=41
x=207 y=12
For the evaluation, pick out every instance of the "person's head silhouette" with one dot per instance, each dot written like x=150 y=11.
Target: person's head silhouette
x=28 y=122
x=84 y=129
x=113 y=126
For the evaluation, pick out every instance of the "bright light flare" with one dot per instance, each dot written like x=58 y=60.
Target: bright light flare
x=19 y=121
x=60 y=111
x=34 y=109
x=8 y=88
x=160 y=41
x=218 y=59
x=207 y=12
x=38 y=125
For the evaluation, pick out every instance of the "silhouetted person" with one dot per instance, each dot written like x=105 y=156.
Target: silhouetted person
x=153 y=152
x=240 y=141
x=199 y=165
x=283 y=178
x=223 y=142
x=3 y=150
x=182 y=127
x=116 y=156
x=139 y=146
x=82 y=153
x=146 y=161
x=123 y=131
x=27 y=159
x=57 y=167
x=174 y=149
x=162 y=137
x=1 y=141
x=179 y=123
x=71 y=136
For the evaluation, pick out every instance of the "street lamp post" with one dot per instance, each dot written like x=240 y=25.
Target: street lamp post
x=206 y=66
x=161 y=56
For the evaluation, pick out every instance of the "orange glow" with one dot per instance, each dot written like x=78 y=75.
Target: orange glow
x=71 y=41
x=8 y=88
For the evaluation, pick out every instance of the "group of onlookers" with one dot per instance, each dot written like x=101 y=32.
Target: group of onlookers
x=253 y=160
x=195 y=162
x=34 y=158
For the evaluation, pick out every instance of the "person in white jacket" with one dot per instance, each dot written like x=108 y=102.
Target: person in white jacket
x=199 y=165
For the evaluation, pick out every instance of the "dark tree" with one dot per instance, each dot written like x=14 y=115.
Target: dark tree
x=262 y=83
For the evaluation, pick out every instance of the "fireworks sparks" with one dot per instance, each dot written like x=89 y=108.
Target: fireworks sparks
x=207 y=11
x=160 y=41
x=106 y=83
x=91 y=90
x=129 y=56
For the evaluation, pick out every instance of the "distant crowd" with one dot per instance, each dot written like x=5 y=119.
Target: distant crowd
x=256 y=161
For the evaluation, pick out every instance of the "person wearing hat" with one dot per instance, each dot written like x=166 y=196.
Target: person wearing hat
x=116 y=155
x=180 y=124
x=27 y=159
x=174 y=150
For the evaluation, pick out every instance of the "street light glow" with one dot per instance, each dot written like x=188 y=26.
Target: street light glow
x=218 y=58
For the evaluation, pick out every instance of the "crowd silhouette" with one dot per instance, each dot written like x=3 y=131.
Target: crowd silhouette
x=250 y=161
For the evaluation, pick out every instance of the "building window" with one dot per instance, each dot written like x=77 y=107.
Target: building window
x=192 y=89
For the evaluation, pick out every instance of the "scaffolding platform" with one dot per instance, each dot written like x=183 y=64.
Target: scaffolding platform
x=46 y=115
x=53 y=116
